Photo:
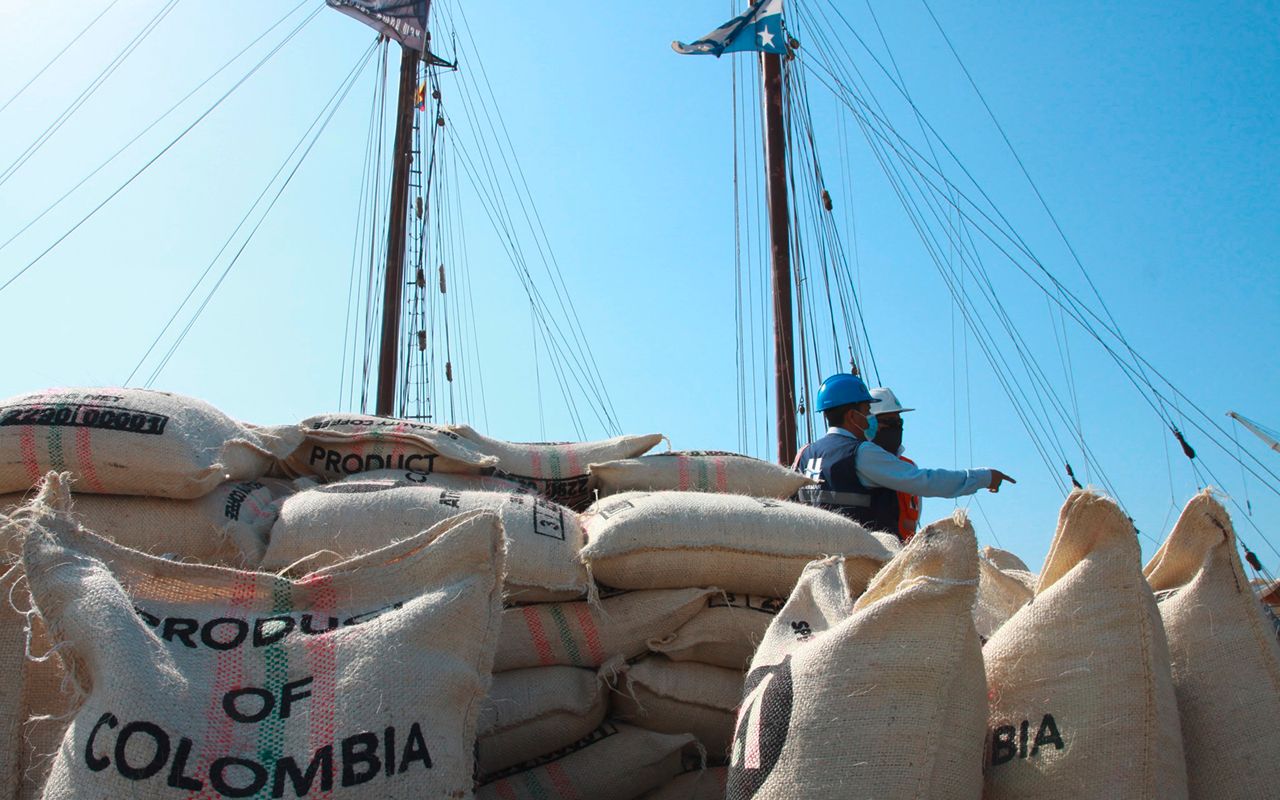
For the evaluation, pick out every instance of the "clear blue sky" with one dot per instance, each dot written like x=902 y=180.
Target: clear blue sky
x=1150 y=128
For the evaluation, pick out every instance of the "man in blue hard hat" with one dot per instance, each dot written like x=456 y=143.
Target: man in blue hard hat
x=860 y=479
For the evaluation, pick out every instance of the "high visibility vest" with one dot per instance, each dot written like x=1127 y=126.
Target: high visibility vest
x=908 y=511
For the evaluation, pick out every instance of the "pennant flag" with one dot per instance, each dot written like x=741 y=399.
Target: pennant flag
x=420 y=99
x=759 y=28
x=402 y=20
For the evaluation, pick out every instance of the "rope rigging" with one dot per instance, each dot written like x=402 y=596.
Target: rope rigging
x=961 y=229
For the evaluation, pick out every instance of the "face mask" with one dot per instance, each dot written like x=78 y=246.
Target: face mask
x=873 y=427
x=889 y=438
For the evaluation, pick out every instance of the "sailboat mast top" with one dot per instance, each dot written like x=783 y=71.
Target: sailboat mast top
x=393 y=285
x=775 y=147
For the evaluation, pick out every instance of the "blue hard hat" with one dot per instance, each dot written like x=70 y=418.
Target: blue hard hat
x=841 y=390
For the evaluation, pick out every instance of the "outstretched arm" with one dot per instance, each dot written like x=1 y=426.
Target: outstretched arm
x=876 y=467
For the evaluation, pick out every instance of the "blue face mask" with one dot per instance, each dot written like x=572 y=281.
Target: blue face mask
x=873 y=427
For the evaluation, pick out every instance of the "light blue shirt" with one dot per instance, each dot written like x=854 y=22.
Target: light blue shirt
x=878 y=467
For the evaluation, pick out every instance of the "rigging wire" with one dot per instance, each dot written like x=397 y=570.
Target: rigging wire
x=157 y=156
x=110 y=159
x=60 y=54
x=313 y=132
x=88 y=92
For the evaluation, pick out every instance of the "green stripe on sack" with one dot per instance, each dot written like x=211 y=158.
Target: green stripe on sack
x=271 y=731
x=57 y=461
x=704 y=478
x=535 y=789
x=566 y=635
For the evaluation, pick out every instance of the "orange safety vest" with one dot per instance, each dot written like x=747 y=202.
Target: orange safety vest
x=908 y=510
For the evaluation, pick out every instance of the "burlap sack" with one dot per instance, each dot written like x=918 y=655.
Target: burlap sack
x=557 y=471
x=13 y=649
x=364 y=679
x=1004 y=559
x=724 y=634
x=681 y=697
x=1000 y=595
x=614 y=762
x=1225 y=658
x=326 y=523
x=132 y=441
x=1082 y=704
x=228 y=526
x=695 y=471
x=707 y=784
x=338 y=445
x=533 y=711
x=746 y=545
x=582 y=634
x=881 y=696
x=47 y=702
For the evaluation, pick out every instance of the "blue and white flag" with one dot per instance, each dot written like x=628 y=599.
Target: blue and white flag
x=402 y=20
x=759 y=28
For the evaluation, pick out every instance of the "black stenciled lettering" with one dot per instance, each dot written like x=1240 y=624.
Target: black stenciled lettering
x=1003 y=746
x=159 y=739
x=411 y=463
x=230 y=704
x=372 y=615
x=389 y=748
x=98 y=763
x=291 y=693
x=178 y=777
x=1048 y=734
x=1022 y=738
x=309 y=629
x=151 y=619
x=415 y=748
x=321 y=765
x=360 y=762
x=222 y=784
x=180 y=628
x=352 y=463
x=450 y=498
x=241 y=633
x=280 y=628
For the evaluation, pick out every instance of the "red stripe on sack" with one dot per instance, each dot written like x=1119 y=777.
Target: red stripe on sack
x=575 y=460
x=504 y=790
x=722 y=475
x=322 y=654
x=535 y=464
x=219 y=739
x=84 y=454
x=682 y=464
x=27 y=447
x=562 y=782
x=539 y=635
x=589 y=632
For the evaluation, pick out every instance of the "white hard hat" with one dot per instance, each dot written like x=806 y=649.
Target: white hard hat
x=884 y=401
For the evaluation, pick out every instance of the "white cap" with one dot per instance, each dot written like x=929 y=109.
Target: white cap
x=884 y=401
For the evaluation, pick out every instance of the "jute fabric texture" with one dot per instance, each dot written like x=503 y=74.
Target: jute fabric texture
x=363 y=679
x=583 y=634
x=747 y=545
x=695 y=471
x=873 y=696
x=1225 y=659
x=326 y=523
x=558 y=471
x=132 y=441
x=1082 y=703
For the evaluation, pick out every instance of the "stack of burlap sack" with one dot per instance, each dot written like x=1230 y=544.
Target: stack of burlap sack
x=365 y=607
x=1096 y=686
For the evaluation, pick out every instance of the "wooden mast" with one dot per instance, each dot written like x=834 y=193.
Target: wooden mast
x=393 y=284
x=775 y=151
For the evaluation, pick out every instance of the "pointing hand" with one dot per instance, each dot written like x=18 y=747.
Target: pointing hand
x=998 y=477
